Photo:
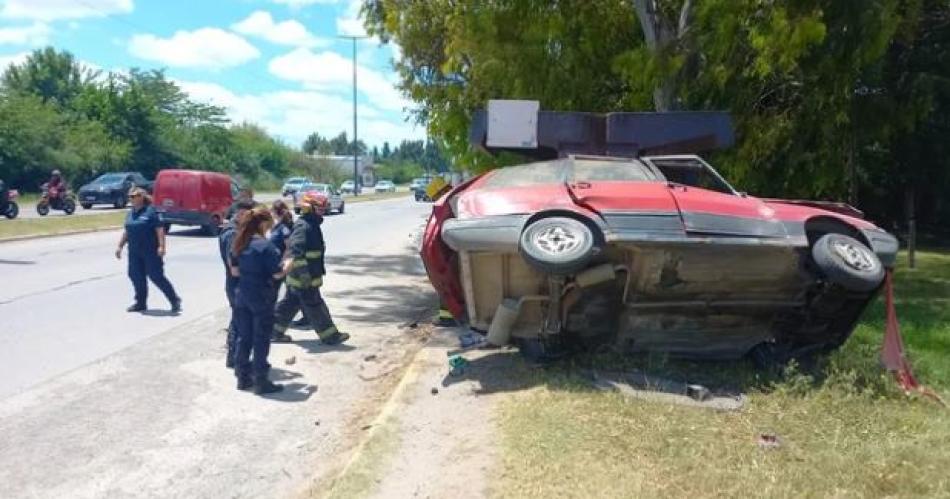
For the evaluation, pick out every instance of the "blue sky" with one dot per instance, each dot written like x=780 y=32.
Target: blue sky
x=277 y=63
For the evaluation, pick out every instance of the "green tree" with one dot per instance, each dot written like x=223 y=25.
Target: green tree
x=49 y=74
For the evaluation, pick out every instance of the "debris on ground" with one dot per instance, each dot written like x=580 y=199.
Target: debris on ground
x=642 y=386
x=457 y=363
x=435 y=391
x=370 y=357
x=290 y=360
x=769 y=441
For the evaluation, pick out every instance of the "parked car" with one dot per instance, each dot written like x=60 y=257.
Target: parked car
x=326 y=190
x=350 y=187
x=292 y=185
x=385 y=186
x=195 y=198
x=112 y=188
x=652 y=254
x=419 y=184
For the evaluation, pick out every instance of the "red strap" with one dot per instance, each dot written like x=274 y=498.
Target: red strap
x=892 y=351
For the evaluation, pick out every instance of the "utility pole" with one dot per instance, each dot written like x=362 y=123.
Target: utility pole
x=356 y=152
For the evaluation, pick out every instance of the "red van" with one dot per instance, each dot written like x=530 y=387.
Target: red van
x=189 y=197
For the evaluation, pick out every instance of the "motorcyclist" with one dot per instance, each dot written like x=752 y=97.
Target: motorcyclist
x=56 y=187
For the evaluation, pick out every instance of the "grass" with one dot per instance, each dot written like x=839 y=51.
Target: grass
x=362 y=198
x=846 y=429
x=58 y=224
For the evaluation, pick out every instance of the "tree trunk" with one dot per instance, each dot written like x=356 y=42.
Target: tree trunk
x=660 y=35
x=911 y=211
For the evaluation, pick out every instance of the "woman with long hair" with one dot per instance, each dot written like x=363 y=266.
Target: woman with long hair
x=258 y=264
x=146 y=239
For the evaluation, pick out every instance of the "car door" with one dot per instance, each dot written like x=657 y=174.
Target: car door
x=709 y=206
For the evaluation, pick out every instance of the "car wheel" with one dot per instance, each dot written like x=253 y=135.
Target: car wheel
x=558 y=245
x=847 y=262
x=86 y=206
x=13 y=210
x=342 y=207
x=120 y=202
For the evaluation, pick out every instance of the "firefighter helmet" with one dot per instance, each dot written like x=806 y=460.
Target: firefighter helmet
x=310 y=201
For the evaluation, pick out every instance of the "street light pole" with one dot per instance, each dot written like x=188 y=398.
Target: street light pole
x=356 y=152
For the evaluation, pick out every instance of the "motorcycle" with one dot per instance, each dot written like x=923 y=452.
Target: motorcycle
x=8 y=206
x=55 y=199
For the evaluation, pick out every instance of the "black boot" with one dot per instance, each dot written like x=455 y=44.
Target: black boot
x=136 y=307
x=264 y=386
x=245 y=382
x=176 y=305
x=280 y=338
x=335 y=338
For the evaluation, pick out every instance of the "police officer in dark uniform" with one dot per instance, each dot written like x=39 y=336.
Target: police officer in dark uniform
x=225 y=239
x=257 y=263
x=306 y=271
x=146 y=239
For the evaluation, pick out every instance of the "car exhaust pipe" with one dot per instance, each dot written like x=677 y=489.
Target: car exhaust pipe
x=499 y=332
x=603 y=273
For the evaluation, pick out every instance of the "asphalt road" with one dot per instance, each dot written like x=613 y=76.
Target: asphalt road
x=96 y=402
x=63 y=299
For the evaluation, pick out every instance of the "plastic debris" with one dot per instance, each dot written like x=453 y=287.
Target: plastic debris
x=290 y=360
x=457 y=363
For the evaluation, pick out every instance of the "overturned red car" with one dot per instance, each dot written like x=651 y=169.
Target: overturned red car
x=651 y=253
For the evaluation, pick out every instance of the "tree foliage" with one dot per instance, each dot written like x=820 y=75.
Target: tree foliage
x=842 y=99
x=56 y=113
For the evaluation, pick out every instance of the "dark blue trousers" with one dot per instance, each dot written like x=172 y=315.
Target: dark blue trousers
x=150 y=267
x=230 y=289
x=254 y=330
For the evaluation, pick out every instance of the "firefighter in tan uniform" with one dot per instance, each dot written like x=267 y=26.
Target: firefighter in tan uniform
x=307 y=269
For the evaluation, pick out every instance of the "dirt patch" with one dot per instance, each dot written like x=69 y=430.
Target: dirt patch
x=436 y=436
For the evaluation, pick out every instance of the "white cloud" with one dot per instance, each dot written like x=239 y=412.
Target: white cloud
x=206 y=47
x=329 y=71
x=49 y=10
x=34 y=34
x=262 y=25
x=295 y=4
x=350 y=23
x=7 y=60
x=292 y=115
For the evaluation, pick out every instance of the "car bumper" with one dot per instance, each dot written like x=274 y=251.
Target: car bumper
x=884 y=245
x=185 y=217
x=97 y=197
x=500 y=233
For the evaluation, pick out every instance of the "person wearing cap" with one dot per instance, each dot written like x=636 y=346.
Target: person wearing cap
x=146 y=239
x=305 y=270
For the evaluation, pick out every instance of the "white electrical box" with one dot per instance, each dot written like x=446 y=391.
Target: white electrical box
x=513 y=124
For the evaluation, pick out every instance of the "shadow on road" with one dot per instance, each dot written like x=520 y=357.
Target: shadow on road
x=399 y=303
x=160 y=313
x=17 y=262
x=315 y=346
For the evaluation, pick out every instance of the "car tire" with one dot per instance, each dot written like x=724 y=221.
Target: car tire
x=847 y=262
x=120 y=202
x=342 y=208
x=86 y=206
x=558 y=245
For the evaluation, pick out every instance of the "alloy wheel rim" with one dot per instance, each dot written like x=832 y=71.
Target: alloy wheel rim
x=854 y=256
x=557 y=240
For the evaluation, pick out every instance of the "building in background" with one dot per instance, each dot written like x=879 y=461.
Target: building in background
x=364 y=166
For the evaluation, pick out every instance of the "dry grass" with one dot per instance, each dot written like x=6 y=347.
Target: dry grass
x=846 y=430
x=22 y=227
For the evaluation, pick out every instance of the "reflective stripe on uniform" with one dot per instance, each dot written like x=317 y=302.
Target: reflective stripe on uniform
x=327 y=332
x=445 y=314
x=298 y=262
x=315 y=282
x=313 y=254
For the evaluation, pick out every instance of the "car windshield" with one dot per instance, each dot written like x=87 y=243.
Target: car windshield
x=296 y=181
x=110 y=178
x=317 y=187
